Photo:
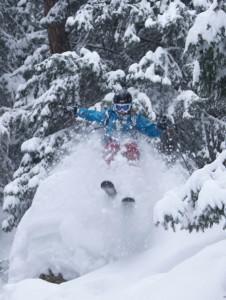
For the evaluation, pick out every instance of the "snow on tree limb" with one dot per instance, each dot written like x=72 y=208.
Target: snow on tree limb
x=208 y=26
x=39 y=109
x=199 y=203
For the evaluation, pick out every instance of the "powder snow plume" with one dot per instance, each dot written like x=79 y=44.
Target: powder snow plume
x=72 y=217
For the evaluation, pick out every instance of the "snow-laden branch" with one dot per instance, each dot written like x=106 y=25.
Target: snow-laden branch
x=200 y=202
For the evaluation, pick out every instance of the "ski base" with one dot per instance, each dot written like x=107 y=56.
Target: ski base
x=109 y=188
x=128 y=201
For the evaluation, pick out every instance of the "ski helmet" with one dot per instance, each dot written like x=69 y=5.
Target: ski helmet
x=122 y=102
x=122 y=97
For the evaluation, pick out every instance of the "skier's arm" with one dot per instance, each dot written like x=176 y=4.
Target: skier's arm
x=146 y=127
x=90 y=115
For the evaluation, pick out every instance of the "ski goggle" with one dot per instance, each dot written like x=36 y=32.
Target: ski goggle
x=123 y=107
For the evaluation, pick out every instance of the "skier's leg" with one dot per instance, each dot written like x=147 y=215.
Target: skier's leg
x=110 y=151
x=131 y=151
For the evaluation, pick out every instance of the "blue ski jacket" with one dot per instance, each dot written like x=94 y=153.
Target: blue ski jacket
x=117 y=125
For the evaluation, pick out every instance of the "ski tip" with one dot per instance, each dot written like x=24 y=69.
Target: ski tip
x=128 y=200
x=109 y=188
x=106 y=184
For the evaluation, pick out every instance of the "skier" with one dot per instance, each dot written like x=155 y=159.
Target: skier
x=120 y=122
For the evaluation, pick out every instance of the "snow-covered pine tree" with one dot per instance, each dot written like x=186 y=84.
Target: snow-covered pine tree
x=205 y=46
x=24 y=43
x=199 y=203
x=42 y=121
x=39 y=90
x=125 y=31
x=201 y=131
x=21 y=35
x=199 y=135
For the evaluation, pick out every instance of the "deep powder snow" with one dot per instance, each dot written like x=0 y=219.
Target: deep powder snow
x=72 y=227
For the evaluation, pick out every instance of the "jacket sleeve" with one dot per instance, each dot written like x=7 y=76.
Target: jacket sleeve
x=91 y=115
x=147 y=127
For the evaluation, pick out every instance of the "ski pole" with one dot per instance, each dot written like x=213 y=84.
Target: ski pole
x=184 y=160
x=180 y=152
x=222 y=123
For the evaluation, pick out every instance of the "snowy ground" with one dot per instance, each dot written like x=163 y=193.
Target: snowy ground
x=157 y=274
x=73 y=228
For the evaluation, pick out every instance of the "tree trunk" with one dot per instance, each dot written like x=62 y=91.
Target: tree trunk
x=58 y=38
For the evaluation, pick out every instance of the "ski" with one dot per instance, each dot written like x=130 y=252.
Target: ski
x=109 y=188
x=128 y=201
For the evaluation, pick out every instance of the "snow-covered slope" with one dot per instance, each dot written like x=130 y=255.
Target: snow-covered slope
x=179 y=266
x=73 y=228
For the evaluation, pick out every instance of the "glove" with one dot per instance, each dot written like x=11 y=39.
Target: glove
x=75 y=110
x=163 y=122
x=72 y=109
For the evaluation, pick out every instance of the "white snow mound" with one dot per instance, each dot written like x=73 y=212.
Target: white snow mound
x=163 y=273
